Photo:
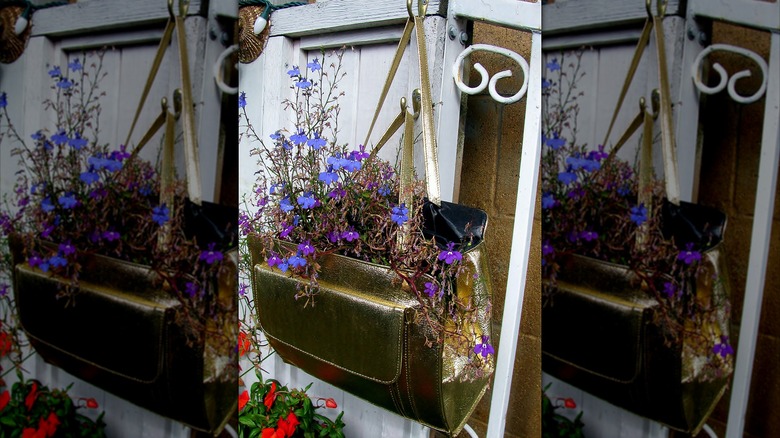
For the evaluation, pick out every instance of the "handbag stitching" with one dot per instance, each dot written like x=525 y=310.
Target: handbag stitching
x=116 y=373
x=392 y=396
x=408 y=376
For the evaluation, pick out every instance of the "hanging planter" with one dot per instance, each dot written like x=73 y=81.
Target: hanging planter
x=390 y=282
x=637 y=307
x=122 y=276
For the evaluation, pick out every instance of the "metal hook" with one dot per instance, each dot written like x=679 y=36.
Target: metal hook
x=164 y=104
x=403 y=104
x=422 y=8
x=642 y=104
x=416 y=102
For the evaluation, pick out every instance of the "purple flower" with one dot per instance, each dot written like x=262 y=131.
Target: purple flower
x=639 y=214
x=160 y=214
x=306 y=248
x=303 y=83
x=724 y=348
x=555 y=142
x=553 y=65
x=384 y=190
x=333 y=236
x=242 y=100
x=314 y=65
x=58 y=261
x=274 y=260
x=545 y=83
x=286 y=231
x=449 y=255
x=431 y=289
x=75 y=65
x=111 y=235
x=67 y=201
x=37 y=135
x=567 y=177
x=689 y=255
x=3 y=290
x=624 y=190
x=47 y=231
x=299 y=137
x=89 y=177
x=484 y=348
x=548 y=201
x=192 y=289
x=576 y=192
x=210 y=256
x=307 y=201
x=283 y=265
x=4 y=100
x=599 y=154
x=547 y=248
x=670 y=289
x=359 y=154
x=316 y=142
x=285 y=205
x=105 y=163
x=34 y=261
x=64 y=83
x=60 y=137
x=120 y=155
x=351 y=165
x=276 y=135
x=338 y=192
x=350 y=235
x=242 y=289
x=329 y=177
x=66 y=249
x=400 y=214
x=296 y=261
x=295 y=71
x=589 y=235
x=582 y=163
x=55 y=72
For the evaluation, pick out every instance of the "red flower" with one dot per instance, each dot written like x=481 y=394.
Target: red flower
x=288 y=425
x=5 y=397
x=242 y=399
x=271 y=396
x=92 y=403
x=269 y=432
x=569 y=403
x=29 y=432
x=30 y=399
x=5 y=344
x=330 y=403
x=49 y=425
x=244 y=344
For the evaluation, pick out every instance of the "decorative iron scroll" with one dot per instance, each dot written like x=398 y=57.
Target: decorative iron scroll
x=491 y=84
x=725 y=81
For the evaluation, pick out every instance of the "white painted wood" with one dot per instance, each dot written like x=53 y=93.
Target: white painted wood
x=104 y=15
x=750 y=13
x=508 y=13
x=573 y=16
x=601 y=418
x=759 y=244
x=593 y=38
x=527 y=187
x=337 y=16
x=387 y=34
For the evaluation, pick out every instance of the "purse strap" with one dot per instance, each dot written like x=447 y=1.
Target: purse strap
x=189 y=133
x=654 y=22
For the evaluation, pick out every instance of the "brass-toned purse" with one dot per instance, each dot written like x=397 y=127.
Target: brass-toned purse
x=602 y=331
x=124 y=331
x=362 y=334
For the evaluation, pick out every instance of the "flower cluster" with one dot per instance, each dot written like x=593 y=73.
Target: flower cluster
x=276 y=412
x=31 y=410
x=591 y=207
x=75 y=196
x=324 y=197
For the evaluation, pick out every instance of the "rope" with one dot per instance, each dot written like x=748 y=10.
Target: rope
x=268 y=4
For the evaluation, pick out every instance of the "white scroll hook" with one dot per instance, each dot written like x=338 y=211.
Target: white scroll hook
x=724 y=80
x=456 y=73
x=217 y=70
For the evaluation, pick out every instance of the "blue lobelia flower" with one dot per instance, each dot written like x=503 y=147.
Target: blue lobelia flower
x=75 y=65
x=242 y=100
x=307 y=201
x=303 y=83
x=77 y=142
x=316 y=142
x=64 y=83
x=299 y=137
x=67 y=201
x=210 y=256
x=46 y=205
x=545 y=83
x=484 y=349
x=293 y=72
x=3 y=100
x=431 y=289
x=160 y=214
x=329 y=177
x=548 y=201
x=350 y=235
x=351 y=165
x=400 y=214
x=285 y=205
x=639 y=214
x=55 y=72
x=58 y=261
x=296 y=261
x=553 y=65
x=60 y=137
x=688 y=256
x=306 y=248
x=567 y=177
x=314 y=65
x=555 y=142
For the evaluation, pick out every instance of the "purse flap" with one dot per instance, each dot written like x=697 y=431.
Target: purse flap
x=355 y=322
x=596 y=319
x=119 y=331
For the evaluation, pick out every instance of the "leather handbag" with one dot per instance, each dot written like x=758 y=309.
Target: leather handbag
x=363 y=334
x=125 y=332
x=602 y=330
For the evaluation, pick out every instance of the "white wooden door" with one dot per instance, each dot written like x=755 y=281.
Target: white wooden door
x=131 y=32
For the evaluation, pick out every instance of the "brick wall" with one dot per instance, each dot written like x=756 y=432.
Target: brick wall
x=491 y=165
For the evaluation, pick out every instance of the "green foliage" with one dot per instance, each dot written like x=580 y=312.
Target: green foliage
x=555 y=425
